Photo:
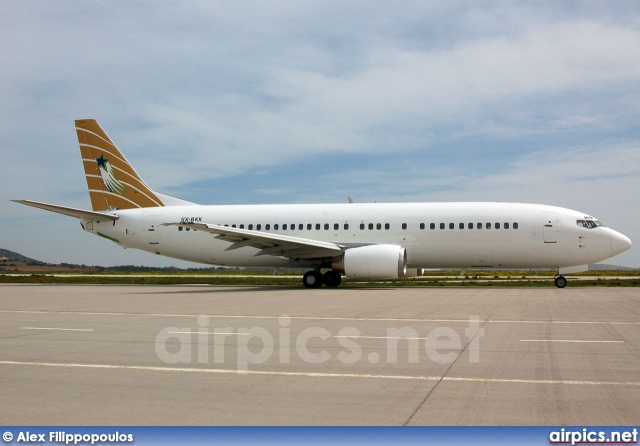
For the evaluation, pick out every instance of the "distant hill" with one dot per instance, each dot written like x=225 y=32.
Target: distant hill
x=15 y=257
x=14 y=262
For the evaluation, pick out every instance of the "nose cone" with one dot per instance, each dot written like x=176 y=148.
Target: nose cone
x=619 y=243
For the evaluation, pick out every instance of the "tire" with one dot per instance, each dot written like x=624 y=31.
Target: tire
x=332 y=279
x=312 y=279
x=560 y=281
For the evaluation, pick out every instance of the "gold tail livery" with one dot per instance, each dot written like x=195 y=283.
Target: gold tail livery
x=113 y=183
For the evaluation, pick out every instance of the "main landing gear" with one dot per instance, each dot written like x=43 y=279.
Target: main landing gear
x=560 y=281
x=315 y=279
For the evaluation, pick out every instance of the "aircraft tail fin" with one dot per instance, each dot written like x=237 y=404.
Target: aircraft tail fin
x=113 y=183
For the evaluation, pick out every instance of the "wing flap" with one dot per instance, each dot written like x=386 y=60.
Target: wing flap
x=268 y=243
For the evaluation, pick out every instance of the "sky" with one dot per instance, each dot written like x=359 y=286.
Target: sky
x=243 y=102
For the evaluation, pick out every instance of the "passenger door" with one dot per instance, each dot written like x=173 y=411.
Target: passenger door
x=550 y=228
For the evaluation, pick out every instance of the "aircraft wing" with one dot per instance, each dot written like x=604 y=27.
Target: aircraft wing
x=268 y=243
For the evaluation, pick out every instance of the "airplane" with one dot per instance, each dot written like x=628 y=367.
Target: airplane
x=362 y=241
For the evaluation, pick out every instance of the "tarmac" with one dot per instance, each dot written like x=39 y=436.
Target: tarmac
x=205 y=355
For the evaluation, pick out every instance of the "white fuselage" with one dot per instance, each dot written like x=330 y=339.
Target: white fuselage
x=435 y=235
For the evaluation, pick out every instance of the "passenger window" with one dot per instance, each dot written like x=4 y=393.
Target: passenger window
x=515 y=226
x=179 y=228
x=346 y=226
x=461 y=225
x=441 y=225
x=361 y=226
x=470 y=225
x=451 y=226
x=387 y=226
x=241 y=226
x=404 y=226
x=233 y=226
x=336 y=226
x=479 y=226
x=506 y=225
x=284 y=226
x=497 y=225
x=317 y=226
x=432 y=226
x=378 y=226
x=326 y=226
x=488 y=226
x=309 y=226
x=267 y=226
x=370 y=226
x=258 y=226
x=422 y=226
x=275 y=227
x=250 y=227
x=300 y=227
x=188 y=229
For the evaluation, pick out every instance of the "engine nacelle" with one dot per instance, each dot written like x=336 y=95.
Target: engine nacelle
x=372 y=262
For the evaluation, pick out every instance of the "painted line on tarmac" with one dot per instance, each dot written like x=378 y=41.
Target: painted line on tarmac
x=316 y=374
x=56 y=329
x=376 y=337
x=577 y=341
x=316 y=318
x=218 y=371
x=565 y=322
x=228 y=316
x=207 y=333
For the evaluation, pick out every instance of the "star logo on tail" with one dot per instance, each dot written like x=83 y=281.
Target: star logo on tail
x=109 y=177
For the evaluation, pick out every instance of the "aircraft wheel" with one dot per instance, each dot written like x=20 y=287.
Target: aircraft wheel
x=560 y=281
x=312 y=279
x=332 y=279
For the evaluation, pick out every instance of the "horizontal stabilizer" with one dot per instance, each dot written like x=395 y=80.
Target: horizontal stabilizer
x=71 y=212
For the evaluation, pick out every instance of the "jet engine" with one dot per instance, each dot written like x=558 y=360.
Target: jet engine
x=372 y=262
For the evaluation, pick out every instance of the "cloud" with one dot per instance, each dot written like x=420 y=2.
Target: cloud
x=547 y=79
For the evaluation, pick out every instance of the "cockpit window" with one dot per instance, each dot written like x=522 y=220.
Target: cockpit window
x=589 y=224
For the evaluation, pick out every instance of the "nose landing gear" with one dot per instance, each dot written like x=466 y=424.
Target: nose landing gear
x=560 y=281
